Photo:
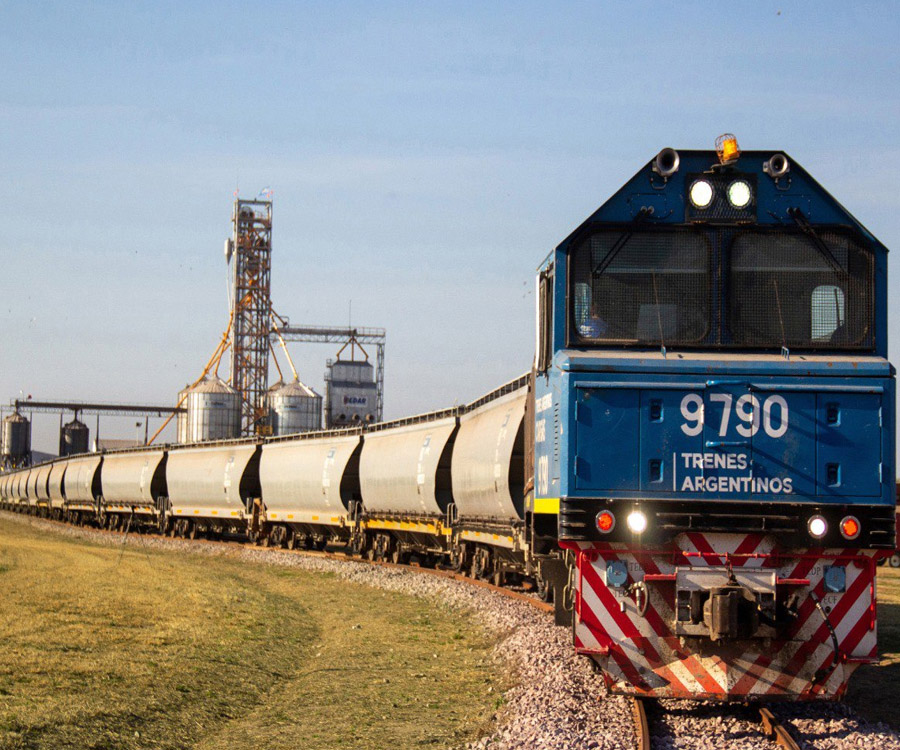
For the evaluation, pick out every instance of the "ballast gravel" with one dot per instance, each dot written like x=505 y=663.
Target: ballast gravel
x=559 y=701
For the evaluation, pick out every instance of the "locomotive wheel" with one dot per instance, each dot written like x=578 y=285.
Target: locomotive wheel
x=543 y=588
x=894 y=560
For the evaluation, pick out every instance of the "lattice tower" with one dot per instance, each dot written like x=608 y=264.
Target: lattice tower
x=251 y=271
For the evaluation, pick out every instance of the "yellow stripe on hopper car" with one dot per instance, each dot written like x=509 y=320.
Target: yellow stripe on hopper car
x=546 y=505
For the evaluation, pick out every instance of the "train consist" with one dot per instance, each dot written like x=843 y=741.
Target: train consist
x=444 y=486
x=699 y=469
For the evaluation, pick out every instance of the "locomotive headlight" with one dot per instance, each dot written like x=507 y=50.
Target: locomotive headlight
x=850 y=527
x=739 y=194
x=637 y=522
x=817 y=526
x=701 y=193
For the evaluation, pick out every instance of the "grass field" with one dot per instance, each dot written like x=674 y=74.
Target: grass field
x=875 y=689
x=131 y=648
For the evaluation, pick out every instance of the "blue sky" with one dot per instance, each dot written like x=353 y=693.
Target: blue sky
x=424 y=158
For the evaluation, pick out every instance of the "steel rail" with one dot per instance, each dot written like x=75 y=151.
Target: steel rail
x=641 y=725
x=776 y=731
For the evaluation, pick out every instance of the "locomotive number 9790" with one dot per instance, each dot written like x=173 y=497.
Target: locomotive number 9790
x=747 y=409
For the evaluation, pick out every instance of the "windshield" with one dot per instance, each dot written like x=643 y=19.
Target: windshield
x=802 y=291
x=704 y=287
x=646 y=287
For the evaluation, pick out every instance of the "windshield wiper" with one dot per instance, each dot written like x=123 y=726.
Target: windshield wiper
x=801 y=221
x=620 y=243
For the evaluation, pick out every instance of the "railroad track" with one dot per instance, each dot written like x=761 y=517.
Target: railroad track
x=502 y=590
x=771 y=726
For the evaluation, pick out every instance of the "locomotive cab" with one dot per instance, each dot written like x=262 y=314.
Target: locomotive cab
x=713 y=428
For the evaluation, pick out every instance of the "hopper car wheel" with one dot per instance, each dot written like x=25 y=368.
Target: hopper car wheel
x=309 y=542
x=291 y=541
x=481 y=564
x=321 y=543
x=498 y=577
x=192 y=530
x=457 y=558
x=894 y=560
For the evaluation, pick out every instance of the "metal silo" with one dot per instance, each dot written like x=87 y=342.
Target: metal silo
x=15 y=440
x=350 y=393
x=213 y=411
x=73 y=438
x=294 y=407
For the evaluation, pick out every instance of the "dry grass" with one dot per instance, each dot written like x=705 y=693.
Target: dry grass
x=875 y=689
x=109 y=648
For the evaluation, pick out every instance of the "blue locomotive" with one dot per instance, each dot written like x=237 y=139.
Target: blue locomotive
x=714 y=429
